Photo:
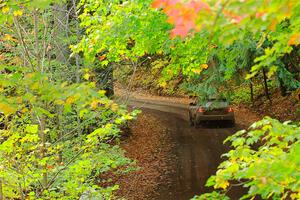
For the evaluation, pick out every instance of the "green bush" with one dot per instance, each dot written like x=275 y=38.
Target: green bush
x=242 y=94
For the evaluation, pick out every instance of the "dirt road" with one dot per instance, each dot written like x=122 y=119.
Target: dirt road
x=198 y=150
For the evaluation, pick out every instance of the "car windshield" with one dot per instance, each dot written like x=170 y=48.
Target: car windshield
x=216 y=99
x=216 y=103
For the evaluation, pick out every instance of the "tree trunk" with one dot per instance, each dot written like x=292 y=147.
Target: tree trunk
x=77 y=62
x=43 y=149
x=60 y=32
x=37 y=43
x=266 y=85
x=1 y=190
x=60 y=129
x=251 y=92
x=282 y=88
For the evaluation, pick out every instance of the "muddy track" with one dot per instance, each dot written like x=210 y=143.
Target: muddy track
x=197 y=151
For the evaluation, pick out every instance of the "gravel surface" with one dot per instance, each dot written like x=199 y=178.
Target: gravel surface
x=149 y=144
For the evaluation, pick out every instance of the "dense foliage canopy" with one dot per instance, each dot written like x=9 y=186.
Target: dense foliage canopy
x=265 y=32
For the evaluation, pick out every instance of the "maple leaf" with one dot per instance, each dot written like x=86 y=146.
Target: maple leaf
x=94 y=104
x=273 y=25
x=260 y=14
x=204 y=66
x=172 y=2
x=5 y=9
x=181 y=31
x=295 y=39
x=103 y=57
x=86 y=76
x=8 y=37
x=197 y=71
x=70 y=100
x=50 y=167
x=173 y=15
x=234 y=17
x=114 y=107
x=158 y=4
x=188 y=14
x=182 y=14
x=18 y=13
x=199 y=5
x=237 y=19
x=7 y=109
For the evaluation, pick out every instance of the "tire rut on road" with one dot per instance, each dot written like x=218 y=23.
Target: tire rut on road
x=197 y=150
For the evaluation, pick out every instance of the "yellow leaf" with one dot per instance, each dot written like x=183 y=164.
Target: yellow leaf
x=197 y=71
x=8 y=37
x=24 y=110
x=297 y=94
x=224 y=184
x=86 y=76
x=7 y=109
x=70 y=100
x=170 y=72
x=5 y=10
x=59 y=102
x=64 y=84
x=273 y=24
x=163 y=84
x=18 y=13
x=221 y=183
x=204 y=66
x=35 y=86
x=101 y=92
x=19 y=100
x=114 y=107
x=295 y=196
x=94 y=104
x=29 y=75
x=92 y=84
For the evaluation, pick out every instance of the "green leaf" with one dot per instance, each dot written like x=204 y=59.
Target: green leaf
x=32 y=129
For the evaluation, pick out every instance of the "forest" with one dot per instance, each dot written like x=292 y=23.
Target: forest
x=62 y=64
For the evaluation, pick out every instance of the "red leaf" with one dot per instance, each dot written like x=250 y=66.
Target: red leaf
x=199 y=5
x=181 y=31
x=50 y=167
x=183 y=15
x=234 y=17
x=260 y=14
x=103 y=57
x=159 y=3
x=295 y=39
x=164 y=3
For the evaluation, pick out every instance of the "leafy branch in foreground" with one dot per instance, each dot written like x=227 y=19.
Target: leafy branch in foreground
x=265 y=160
x=56 y=130
x=41 y=157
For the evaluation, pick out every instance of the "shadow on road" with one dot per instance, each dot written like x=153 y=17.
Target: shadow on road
x=216 y=124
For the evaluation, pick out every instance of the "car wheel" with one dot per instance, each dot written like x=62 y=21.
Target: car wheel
x=232 y=123
x=199 y=124
x=191 y=121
